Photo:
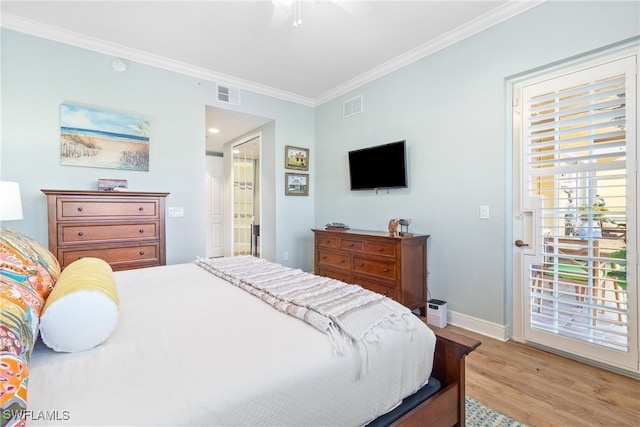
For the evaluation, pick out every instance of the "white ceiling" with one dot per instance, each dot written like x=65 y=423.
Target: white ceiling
x=253 y=45
x=232 y=125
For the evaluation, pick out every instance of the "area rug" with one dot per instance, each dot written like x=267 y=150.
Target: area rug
x=478 y=415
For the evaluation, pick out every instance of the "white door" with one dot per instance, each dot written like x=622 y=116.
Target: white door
x=575 y=203
x=215 y=219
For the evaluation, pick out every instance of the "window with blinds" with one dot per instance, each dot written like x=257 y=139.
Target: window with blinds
x=576 y=171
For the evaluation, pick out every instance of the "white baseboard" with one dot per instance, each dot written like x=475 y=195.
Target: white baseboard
x=490 y=329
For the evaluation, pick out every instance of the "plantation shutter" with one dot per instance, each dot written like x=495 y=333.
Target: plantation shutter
x=576 y=144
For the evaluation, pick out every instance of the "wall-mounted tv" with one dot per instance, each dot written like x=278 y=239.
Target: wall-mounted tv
x=381 y=166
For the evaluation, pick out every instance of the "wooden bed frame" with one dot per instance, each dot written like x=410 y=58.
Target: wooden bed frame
x=446 y=407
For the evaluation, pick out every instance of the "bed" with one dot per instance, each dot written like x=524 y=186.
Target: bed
x=190 y=347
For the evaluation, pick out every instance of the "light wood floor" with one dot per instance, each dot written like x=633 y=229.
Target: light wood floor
x=539 y=388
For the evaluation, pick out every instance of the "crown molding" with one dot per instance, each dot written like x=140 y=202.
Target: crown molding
x=38 y=29
x=508 y=10
x=488 y=20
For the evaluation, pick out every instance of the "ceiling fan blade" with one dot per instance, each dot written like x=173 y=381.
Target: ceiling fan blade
x=354 y=7
x=281 y=13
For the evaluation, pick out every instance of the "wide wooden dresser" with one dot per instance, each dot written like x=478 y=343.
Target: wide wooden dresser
x=393 y=266
x=126 y=229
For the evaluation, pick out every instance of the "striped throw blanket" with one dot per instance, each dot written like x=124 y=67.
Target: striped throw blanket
x=346 y=313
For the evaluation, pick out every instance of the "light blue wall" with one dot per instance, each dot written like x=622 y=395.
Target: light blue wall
x=38 y=75
x=451 y=109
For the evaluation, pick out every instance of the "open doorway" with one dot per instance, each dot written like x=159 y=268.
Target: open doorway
x=233 y=177
x=246 y=197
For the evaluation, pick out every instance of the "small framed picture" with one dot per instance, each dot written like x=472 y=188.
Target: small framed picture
x=296 y=184
x=296 y=158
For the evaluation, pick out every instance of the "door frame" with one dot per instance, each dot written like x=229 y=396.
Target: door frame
x=514 y=218
x=229 y=236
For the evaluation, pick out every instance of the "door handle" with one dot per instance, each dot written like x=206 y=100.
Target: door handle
x=519 y=243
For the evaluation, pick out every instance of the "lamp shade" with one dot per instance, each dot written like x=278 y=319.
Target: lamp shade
x=10 y=203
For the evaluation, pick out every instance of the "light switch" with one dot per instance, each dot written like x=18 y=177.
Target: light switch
x=175 y=212
x=484 y=212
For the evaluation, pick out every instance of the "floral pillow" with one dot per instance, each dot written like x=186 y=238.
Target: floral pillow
x=18 y=332
x=28 y=272
x=23 y=258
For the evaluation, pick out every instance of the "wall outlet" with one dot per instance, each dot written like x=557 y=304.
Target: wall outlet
x=285 y=255
x=484 y=212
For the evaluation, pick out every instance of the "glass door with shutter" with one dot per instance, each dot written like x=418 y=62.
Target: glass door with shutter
x=579 y=186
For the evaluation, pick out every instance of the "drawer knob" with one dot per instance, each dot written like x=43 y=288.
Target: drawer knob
x=379 y=249
x=140 y=208
x=386 y=270
x=141 y=252
x=324 y=257
x=80 y=209
x=141 y=230
x=80 y=233
x=361 y=265
x=328 y=241
x=342 y=261
x=351 y=245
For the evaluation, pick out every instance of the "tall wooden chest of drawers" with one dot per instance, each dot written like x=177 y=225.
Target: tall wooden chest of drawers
x=126 y=229
x=393 y=266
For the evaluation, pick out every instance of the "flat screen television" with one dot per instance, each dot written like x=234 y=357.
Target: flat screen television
x=381 y=166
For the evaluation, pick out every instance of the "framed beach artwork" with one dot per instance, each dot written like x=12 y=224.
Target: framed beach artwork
x=103 y=139
x=296 y=184
x=296 y=158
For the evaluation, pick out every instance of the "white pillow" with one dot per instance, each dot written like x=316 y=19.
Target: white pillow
x=82 y=310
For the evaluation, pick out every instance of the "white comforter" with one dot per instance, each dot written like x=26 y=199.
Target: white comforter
x=192 y=349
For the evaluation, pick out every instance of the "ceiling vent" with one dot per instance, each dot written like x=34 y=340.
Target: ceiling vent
x=228 y=95
x=351 y=107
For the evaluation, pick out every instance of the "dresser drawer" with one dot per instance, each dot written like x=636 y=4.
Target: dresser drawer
x=117 y=256
x=378 y=287
x=351 y=245
x=338 y=275
x=325 y=241
x=383 y=269
x=381 y=248
x=70 y=209
x=333 y=260
x=92 y=233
